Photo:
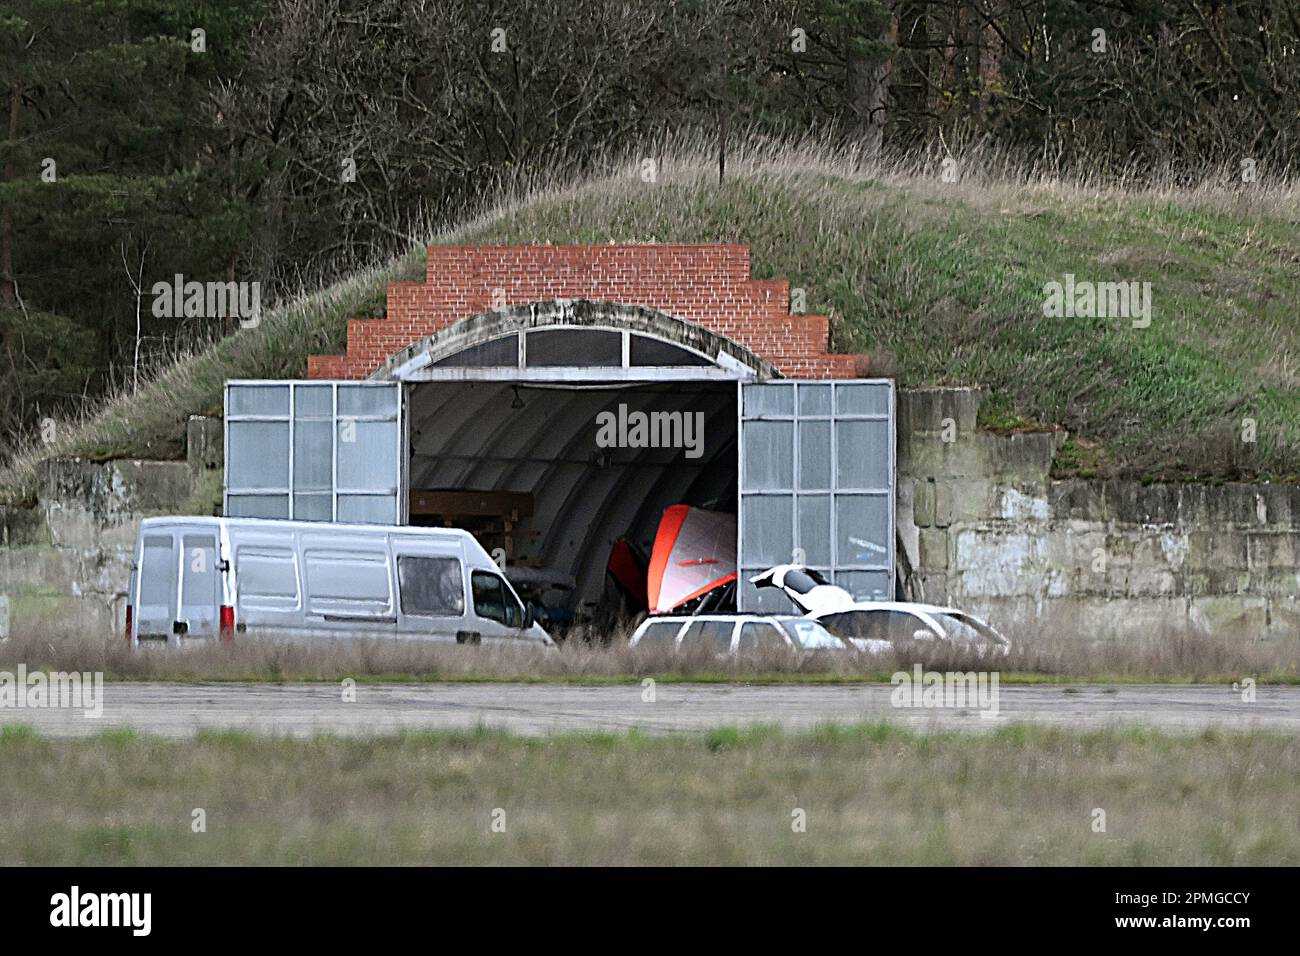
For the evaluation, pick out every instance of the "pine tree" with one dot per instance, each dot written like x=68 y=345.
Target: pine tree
x=111 y=172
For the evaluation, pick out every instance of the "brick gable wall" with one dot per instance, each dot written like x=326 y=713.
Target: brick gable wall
x=705 y=284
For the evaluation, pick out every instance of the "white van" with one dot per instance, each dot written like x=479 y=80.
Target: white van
x=204 y=578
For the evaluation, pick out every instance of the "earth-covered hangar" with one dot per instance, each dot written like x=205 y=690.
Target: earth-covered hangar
x=488 y=395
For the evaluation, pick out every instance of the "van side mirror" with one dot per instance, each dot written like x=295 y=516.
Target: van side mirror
x=529 y=618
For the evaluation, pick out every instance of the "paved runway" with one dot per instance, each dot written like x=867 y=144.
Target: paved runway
x=536 y=709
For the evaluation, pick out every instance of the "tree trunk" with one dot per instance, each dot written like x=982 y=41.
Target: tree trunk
x=722 y=145
x=910 y=89
x=8 y=285
x=868 y=91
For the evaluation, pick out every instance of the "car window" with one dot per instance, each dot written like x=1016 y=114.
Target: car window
x=813 y=636
x=760 y=636
x=868 y=624
x=432 y=587
x=713 y=637
x=962 y=627
x=660 y=634
x=876 y=625
x=901 y=625
x=493 y=602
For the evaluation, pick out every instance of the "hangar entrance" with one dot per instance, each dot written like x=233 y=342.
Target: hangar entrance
x=558 y=436
x=551 y=475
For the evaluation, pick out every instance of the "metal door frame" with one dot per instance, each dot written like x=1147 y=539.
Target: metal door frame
x=401 y=438
x=795 y=493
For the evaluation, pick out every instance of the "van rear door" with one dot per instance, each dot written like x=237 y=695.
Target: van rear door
x=156 y=611
x=200 y=592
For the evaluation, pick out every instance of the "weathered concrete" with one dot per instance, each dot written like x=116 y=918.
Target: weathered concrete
x=20 y=526
x=205 y=449
x=67 y=559
x=988 y=529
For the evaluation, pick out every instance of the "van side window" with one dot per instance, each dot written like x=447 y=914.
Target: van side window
x=348 y=581
x=268 y=577
x=431 y=586
x=494 y=602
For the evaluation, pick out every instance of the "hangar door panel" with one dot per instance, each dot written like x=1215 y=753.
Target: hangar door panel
x=315 y=451
x=817 y=485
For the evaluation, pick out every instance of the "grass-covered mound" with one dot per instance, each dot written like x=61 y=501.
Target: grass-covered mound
x=942 y=282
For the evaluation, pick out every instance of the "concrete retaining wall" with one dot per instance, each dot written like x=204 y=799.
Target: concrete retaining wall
x=67 y=560
x=987 y=529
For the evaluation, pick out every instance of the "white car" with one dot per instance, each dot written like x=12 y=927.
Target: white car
x=876 y=626
x=736 y=634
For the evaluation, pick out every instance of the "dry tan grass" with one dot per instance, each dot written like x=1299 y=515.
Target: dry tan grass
x=869 y=795
x=1163 y=657
x=987 y=178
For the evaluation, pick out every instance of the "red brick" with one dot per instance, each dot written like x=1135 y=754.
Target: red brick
x=705 y=284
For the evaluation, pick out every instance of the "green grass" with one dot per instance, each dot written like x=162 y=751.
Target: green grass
x=942 y=283
x=869 y=794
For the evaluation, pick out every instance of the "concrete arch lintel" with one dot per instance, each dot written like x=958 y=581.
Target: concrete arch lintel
x=572 y=313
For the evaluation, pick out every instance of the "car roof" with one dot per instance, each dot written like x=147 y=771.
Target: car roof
x=782 y=622
x=907 y=606
x=724 y=618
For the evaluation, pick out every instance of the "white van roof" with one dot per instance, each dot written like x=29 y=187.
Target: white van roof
x=328 y=527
